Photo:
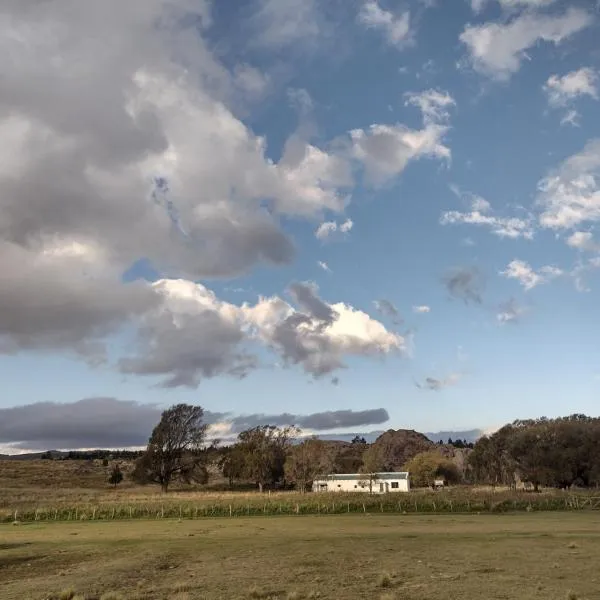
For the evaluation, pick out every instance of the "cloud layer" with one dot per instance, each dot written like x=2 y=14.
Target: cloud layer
x=112 y=423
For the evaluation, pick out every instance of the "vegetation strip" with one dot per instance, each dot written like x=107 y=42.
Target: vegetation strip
x=326 y=505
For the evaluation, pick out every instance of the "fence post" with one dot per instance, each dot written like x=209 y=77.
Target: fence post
x=230 y=511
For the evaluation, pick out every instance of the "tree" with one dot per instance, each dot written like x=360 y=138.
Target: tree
x=232 y=464
x=116 y=475
x=357 y=439
x=306 y=462
x=175 y=448
x=264 y=449
x=372 y=464
x=426 y=467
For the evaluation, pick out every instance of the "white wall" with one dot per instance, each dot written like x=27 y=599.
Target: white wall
x=354 y=485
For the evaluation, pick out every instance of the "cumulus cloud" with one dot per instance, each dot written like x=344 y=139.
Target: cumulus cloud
x=194 y=335
x=120 y=144
x=481 y=214
x=465 y=283
x=329 y=229
x=527 y=276
x=113 y=423
x=386 y=150
x=497 y=49
x=434 y=384
x=421 y=309
x=395 y=28
x=562 y=90
x=570 y=195
x=583 y=240
x=59 y=298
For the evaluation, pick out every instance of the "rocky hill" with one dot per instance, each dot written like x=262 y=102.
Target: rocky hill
x=399 y=445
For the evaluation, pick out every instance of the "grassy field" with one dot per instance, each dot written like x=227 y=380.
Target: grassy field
x=541 y=556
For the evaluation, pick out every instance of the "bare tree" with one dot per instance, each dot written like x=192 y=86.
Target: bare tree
x=175 y=448
x=307 y=461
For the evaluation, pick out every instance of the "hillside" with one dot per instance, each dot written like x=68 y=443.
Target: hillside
x=400 y=445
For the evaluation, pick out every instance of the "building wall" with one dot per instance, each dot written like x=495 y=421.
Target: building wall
x=358 y=485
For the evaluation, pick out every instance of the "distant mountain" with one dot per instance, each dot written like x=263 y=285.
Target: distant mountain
x=470 y=435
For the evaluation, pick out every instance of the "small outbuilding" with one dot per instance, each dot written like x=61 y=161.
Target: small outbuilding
x=376 y=483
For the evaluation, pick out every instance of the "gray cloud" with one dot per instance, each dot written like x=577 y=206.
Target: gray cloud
x=434 y=384
x=88 y=423
x=306 y=296
x=465 y=283
x=199 y=346
x=509 y=312
x=43 y=303
x=318 y=421
x=113 y=423
x=388 y=309
x=120 y=143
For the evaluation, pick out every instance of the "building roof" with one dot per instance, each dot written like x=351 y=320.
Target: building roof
x=362 y=476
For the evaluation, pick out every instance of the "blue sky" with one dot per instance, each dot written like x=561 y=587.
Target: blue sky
x=329 y=167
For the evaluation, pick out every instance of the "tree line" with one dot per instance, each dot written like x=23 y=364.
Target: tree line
x=544 y=452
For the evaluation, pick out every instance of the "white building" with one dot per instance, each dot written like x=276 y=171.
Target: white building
x=377 y=483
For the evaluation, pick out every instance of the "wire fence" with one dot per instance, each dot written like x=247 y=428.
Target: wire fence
x=322 y=505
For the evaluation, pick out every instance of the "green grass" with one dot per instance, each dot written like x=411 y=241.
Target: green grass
x=530 y=556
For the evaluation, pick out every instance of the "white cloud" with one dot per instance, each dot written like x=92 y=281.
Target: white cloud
x=433 y=104
x=385 y=150
x=323 y=265
x=497 y=49
x=583 y=240
x=422 y=309
x=329 y=228
x=528 y=277
x=194 y=335
x=396 y=28
x=570 y=195
x=562 y=90
x=504 y=227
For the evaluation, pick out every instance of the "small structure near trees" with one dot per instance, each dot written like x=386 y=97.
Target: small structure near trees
x=373 y=483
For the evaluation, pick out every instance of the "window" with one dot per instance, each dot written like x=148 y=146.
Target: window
x=339 y=485
x=355 y=486
x=394 y=485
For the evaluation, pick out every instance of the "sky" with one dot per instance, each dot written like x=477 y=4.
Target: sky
x=350 y=215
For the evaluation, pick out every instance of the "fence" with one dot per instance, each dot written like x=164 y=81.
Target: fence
x=323 y=505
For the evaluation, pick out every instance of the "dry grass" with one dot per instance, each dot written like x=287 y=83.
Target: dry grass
x=506 y=556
